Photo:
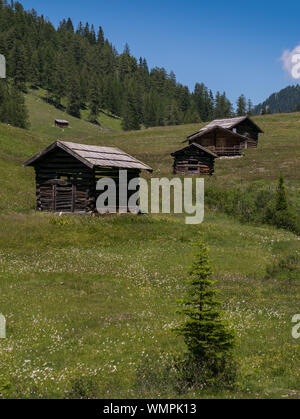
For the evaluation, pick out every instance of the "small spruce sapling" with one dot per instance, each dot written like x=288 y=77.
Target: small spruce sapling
x=283 y=217
x=207 y=336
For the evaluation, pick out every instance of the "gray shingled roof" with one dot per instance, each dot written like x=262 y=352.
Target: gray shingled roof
x=206 y=150
x=94 y=156
x=228 y=123
x=213 y=128
x=224 y=123
x=61 y=121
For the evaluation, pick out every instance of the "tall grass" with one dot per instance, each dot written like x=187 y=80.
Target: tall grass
x=252 y=203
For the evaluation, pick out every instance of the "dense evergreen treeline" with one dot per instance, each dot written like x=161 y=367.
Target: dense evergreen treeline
x=79 y=68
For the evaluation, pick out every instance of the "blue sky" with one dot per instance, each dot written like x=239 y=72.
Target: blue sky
x=228 y=45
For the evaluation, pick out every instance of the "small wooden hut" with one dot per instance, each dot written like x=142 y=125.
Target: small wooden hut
x=61 y=123
x=227 y=137
x=67 y=175
x=194 y=160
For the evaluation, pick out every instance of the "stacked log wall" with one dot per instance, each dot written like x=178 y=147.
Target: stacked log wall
x=59 y=176
x=247 y=129
x=186 y=161
x=113 y=173
x=221 y=144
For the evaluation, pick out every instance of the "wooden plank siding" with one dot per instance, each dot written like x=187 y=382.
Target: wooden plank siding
x=194 y=160
x=248 y=130
x=63 y=184
x=221 y=142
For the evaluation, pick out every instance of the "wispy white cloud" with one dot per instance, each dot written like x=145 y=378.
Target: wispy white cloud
x=291 y=62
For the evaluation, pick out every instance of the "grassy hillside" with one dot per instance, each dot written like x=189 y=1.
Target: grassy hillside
x=42 y=116
x=95 y=297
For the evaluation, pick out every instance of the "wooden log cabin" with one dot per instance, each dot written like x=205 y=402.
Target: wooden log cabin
x=194 y=159
x=227 y=137
x=67 y=175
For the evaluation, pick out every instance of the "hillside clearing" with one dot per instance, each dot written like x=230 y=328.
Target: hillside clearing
x=95 y=297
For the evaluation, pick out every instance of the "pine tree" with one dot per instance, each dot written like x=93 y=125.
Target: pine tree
x=58 y=87
x=100 y=38
x=69 y=25
x=241 y=106
x=80 y=29
x=93 y=38
x=217 y=110
x=19 y=114
x=201 y=98
x=48 y=73
x=12 y=106
x=183 y=97
x=192 y=116
x=281 y=198
x=74 y=97
x=19 y=67
x=86 y=31
x=173 y=115
x=34 y=74
x=223 y=107
x=279 y=214
x=226 y=106
x=94 y=102
x=130 y=113
x=250 y=108
x=211 y=106
x=206 y=334
x=149 y=111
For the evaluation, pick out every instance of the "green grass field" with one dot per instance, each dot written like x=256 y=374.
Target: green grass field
x=95 y=297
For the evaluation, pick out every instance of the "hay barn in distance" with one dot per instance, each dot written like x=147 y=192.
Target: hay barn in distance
x=194 y=160
x=61 y=123
x=67 y=175
x=227 y=137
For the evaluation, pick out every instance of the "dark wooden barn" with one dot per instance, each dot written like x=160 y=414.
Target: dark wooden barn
x=194 y=159
x=228 y=137
x=61 y=123
x=67 y=175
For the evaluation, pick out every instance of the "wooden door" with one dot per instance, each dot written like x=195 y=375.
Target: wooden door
x=64 y=197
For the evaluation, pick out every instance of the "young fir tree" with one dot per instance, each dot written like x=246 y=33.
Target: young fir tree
x=280 y=214
x=281 y=198
x=209 y=340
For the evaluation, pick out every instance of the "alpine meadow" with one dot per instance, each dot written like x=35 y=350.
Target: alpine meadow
x=140 y=306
